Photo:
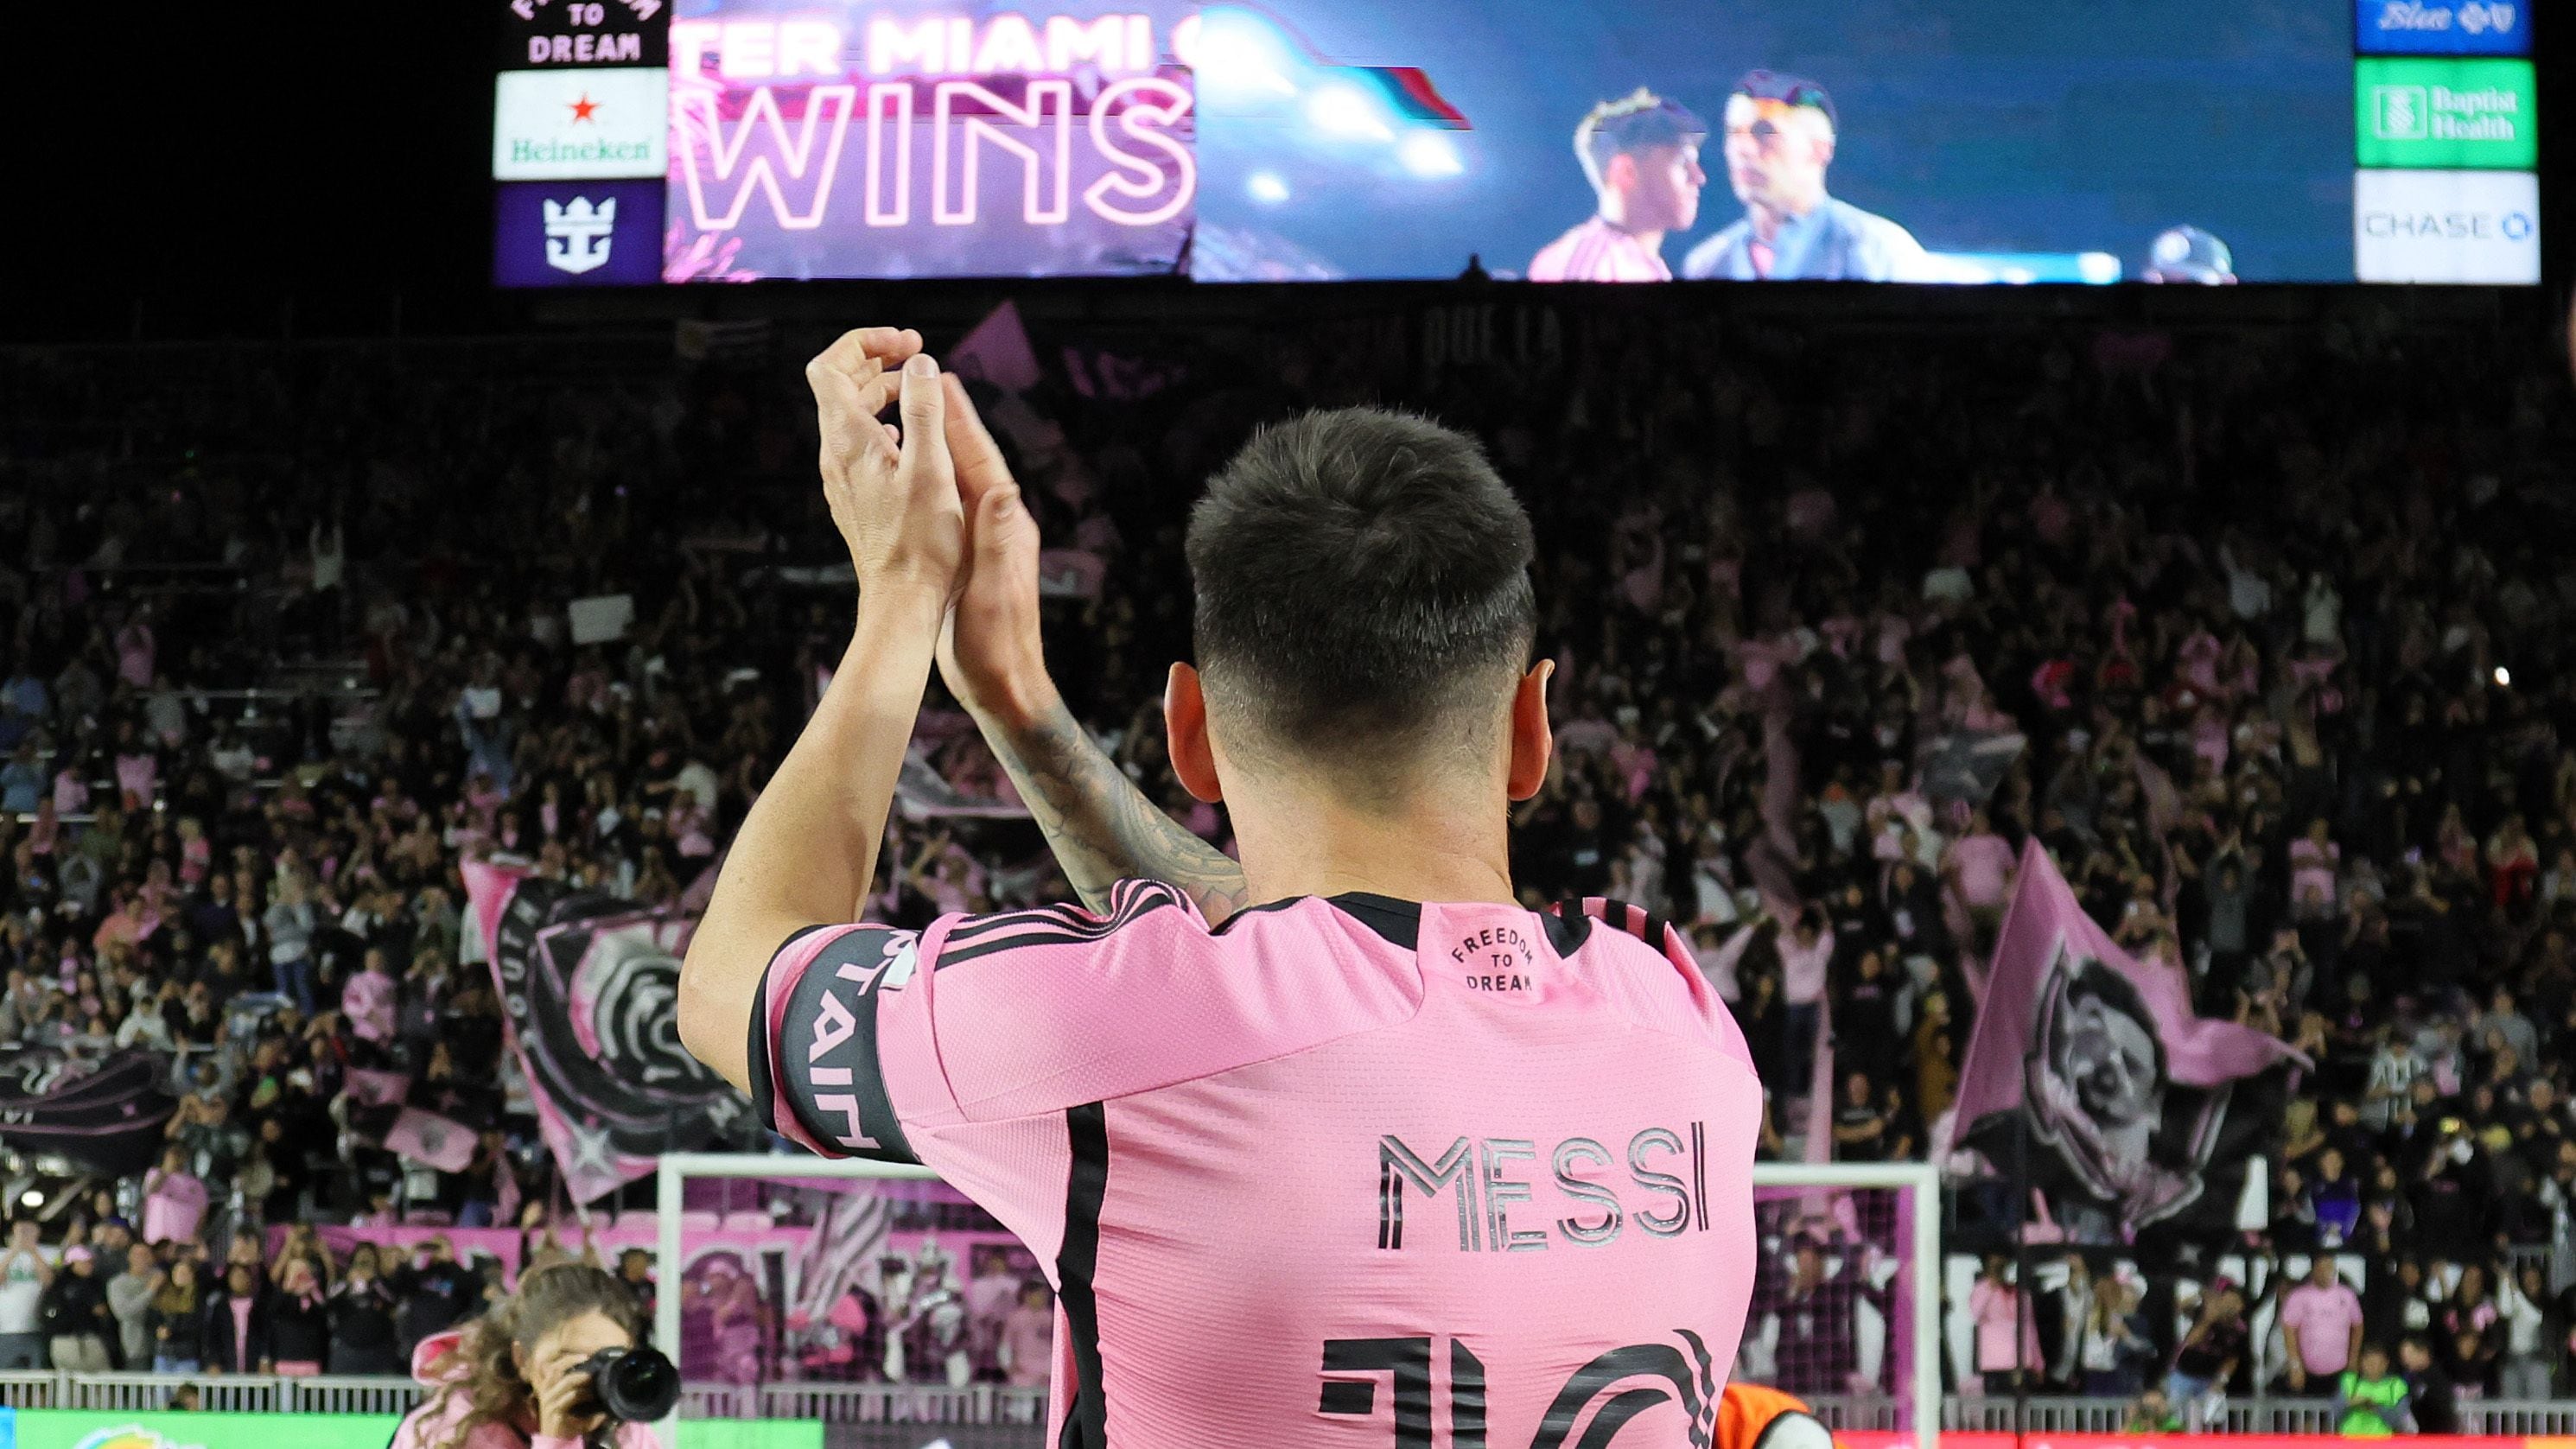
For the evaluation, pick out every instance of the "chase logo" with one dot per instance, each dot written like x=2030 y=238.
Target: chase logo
x=2442 y=27
x=2476 y=227
x=2460 y=226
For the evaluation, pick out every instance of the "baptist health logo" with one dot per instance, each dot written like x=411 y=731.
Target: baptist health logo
x=2398 y=113
x=578 y=234
x=2439 y=113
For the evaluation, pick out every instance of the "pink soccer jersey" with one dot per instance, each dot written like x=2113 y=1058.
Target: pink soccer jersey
x=1596 y=251
x=1350 y=1172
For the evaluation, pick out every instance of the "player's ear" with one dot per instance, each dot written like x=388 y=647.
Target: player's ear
x=1185 y=735
x=1532 y=741
x=1824 y=148
x=1621 y=173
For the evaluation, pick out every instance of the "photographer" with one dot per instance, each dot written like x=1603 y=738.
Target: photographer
x=517 y=1377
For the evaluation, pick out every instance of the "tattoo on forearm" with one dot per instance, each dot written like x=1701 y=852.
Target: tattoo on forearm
x=1102 y=828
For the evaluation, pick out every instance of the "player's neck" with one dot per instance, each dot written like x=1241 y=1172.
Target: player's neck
x=1422 y=852
x=1612 y=217
x=1768 y=217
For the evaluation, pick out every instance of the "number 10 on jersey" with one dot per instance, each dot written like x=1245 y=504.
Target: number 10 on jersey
x=1408 y=1363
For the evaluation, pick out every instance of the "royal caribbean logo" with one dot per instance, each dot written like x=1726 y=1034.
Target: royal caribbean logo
x=578 y=234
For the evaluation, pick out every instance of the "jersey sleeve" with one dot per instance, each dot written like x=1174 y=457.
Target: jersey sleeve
x=1705 y=1003
x=876 y=1042
x=818 y=1077
x=867 y=1038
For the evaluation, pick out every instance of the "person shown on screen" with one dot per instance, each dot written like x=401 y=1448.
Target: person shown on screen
x=1780 y=132
x=1641 y=153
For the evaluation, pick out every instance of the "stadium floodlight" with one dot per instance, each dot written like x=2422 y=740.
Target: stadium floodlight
x=1845 y=1313
x=1345 y=112
x=1430 y=154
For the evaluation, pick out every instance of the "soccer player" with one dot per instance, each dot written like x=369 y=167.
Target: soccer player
x=1779 y=139
x=1641 y=154
x=1342 y=1147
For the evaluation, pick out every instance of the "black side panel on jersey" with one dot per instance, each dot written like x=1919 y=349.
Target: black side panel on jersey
x=824 y=1054
x=1087 y=1127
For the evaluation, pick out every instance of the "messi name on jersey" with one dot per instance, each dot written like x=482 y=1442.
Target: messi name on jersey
x=1664 y=1194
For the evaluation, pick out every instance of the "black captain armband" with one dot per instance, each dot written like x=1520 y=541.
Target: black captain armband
x=815 y=1078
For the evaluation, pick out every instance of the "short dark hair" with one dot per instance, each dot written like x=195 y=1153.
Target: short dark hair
x=1633 y=122
x=1363 y=579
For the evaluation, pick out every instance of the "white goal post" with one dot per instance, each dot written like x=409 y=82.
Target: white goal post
x=675 y=1168
x=1918 y=1184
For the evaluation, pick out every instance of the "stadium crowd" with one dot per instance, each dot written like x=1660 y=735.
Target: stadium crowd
x=2256 y=630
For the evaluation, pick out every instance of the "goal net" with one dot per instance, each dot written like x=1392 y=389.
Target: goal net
x=1847 y=1298
x=880 y=1303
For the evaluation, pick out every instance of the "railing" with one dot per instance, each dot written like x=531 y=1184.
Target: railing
x=994 y=1404
x=231 y=1393
x=2541 y=1417
x=278 y=1394
x=903 y=1404
x=2055 y=1415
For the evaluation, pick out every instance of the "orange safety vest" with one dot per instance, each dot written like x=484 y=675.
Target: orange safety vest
x=1748 y=1413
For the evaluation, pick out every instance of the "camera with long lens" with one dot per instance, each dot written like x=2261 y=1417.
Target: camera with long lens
x=633 y=1385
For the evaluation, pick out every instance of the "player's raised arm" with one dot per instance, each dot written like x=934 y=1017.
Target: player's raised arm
x=808 y=849
x=1101 y=827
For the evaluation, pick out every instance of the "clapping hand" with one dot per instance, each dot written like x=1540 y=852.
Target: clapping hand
x=892 y=488
x=990 y=653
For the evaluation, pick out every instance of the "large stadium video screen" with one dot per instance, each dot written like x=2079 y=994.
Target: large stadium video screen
x=1919 y=141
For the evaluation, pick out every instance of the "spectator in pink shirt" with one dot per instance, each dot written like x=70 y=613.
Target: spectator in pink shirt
x=174 y=1200
x=138 y=770
x=2314 y=859
x=1994 y=1306
x=2321 y=1327
x=1028 y=1338
x=369 y=1000
x=134 y=653
x=1806 y=949
x=71 y=790
x=1978 y=867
